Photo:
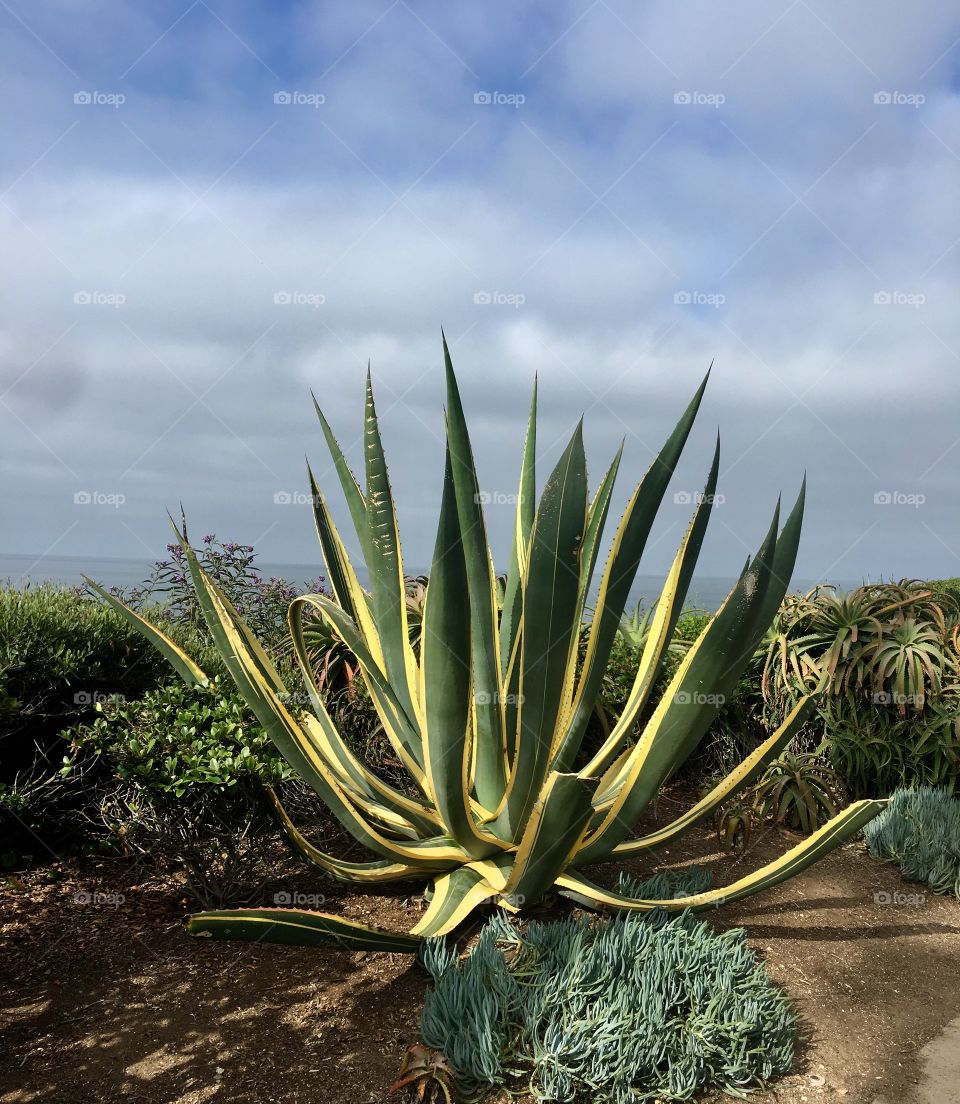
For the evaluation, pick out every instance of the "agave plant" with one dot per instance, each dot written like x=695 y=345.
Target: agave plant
x=489 y=718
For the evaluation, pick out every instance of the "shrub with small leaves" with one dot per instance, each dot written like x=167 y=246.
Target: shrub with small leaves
x=635 y=1007
x=920 y=831
x=186 y=768
x=183 y=737
x=60 y=652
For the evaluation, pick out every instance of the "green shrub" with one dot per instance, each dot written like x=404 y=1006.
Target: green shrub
x=691 y=624
x=920 y=831
x=181 y=738
x=60 y=653
x=633 y=1007
x=183 y=772
x=38 y=810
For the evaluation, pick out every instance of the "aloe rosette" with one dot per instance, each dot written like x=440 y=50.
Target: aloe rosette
x=490 y=717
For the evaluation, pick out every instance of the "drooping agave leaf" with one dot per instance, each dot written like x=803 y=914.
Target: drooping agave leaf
x=456 y=895
x=293 y=926
x=403 y=734
x=831 y=835
x=361 y=781
x=380 y=870
x=175 y=656
x=746 y=773
x=294 y=742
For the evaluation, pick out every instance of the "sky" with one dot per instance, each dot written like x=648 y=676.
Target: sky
x=209 y=209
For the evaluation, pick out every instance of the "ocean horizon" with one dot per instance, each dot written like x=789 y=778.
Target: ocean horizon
x=707 y=592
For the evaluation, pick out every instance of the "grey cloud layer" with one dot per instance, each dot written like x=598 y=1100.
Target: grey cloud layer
x=181 y=269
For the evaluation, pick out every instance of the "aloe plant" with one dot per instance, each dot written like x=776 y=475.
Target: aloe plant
x=489 y=718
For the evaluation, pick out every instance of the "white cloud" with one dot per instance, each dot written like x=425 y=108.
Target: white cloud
x=195 y=387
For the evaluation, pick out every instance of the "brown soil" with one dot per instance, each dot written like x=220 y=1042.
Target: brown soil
x=111 y=1000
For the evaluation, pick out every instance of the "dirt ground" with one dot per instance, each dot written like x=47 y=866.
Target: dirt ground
x=105 y=997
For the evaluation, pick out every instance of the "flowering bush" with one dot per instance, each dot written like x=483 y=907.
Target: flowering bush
x=261 y=602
